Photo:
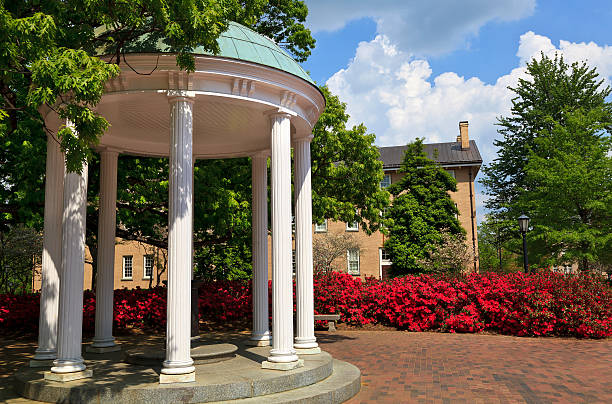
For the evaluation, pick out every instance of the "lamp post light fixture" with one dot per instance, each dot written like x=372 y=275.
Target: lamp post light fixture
x=523 y=221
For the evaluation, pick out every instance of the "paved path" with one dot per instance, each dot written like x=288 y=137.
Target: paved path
x=402 y=367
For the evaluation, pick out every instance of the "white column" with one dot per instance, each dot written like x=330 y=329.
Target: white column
x=259 y=186
x=52 y=255
x=178 y=366
x=282 y=355
x=305 y=341
x=70 y=322
x=104 y=340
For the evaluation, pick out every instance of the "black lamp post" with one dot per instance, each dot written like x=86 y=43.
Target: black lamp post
x=523 y=222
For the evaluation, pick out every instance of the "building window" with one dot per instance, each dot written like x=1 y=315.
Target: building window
x=383 y=216
x=352 y=258
x=148 y=267
x=321 y=228
x=352 y=226
x=386 y=181
x=452 y=173
x=127 y=267
x=384 y=256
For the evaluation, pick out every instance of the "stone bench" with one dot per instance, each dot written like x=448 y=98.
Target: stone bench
x=330 y=318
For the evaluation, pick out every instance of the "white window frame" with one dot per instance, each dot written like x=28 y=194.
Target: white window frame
x=348 y=262
x=383 y=260
x=385 y=182
x=321 y=227
x=352 y=226
x=144 y=266
x=124 y=267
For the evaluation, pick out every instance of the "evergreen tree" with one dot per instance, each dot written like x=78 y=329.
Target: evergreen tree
x=420 y=211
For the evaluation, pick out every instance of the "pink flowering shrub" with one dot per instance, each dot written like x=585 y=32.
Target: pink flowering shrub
x=543 y=304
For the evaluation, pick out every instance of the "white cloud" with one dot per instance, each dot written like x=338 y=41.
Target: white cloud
x=597 y=56
x=417 y=26
x=396 y=97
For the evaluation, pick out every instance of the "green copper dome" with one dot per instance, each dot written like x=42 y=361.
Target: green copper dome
x=237 y=42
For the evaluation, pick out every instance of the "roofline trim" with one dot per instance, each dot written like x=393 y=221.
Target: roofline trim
x=396 y=167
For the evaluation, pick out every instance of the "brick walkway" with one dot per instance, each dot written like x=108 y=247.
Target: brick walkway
x=402 y=367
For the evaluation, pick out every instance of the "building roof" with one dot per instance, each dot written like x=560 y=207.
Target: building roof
x=447 y=154
x=237 y=42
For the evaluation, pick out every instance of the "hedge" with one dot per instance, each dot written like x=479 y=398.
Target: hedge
x=543 y=304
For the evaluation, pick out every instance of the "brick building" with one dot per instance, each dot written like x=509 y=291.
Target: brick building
x=137 y=264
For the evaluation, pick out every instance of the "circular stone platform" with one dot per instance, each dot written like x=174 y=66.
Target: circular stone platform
x=322 y=379
x=201 y=354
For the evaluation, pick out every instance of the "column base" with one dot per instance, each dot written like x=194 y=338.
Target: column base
x=45 y=354
x=261 y=342
x=102 y=349
x=263 y=339
x=41 y=363
x=67 y=377
x=305 y=343
x=307 y=351
x=282 y=365
x=68 y=365
x=181 y=378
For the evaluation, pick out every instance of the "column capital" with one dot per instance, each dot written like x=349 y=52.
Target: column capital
x=279 y=113
x=180 y=95
x=303 y=139
x=261 y=153
x=109 y=150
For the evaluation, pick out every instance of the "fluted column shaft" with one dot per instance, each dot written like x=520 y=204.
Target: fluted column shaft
x=180 y=224
x=261 y=332
x=70 y=322
x=305 y=338
x=282 y=289
x=106 y=250
x=52 y=252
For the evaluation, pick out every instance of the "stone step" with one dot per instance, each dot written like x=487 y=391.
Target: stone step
x=341 y=385
x=201 y=354
x=241 y=377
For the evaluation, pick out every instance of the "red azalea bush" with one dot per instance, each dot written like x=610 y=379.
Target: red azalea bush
x=543 y=304
x=516 y=304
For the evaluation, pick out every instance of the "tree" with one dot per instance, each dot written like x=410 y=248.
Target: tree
x=328 y=247
x=346 y=170
x=555 y=103
x=450 y=255
x=421 y=209
x=570 y=196
x=20 y=254
x=494 y=253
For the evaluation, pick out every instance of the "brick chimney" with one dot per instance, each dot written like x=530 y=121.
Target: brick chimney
x=463 y=137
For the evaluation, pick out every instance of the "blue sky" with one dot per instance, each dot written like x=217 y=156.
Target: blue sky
x=413 y=68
